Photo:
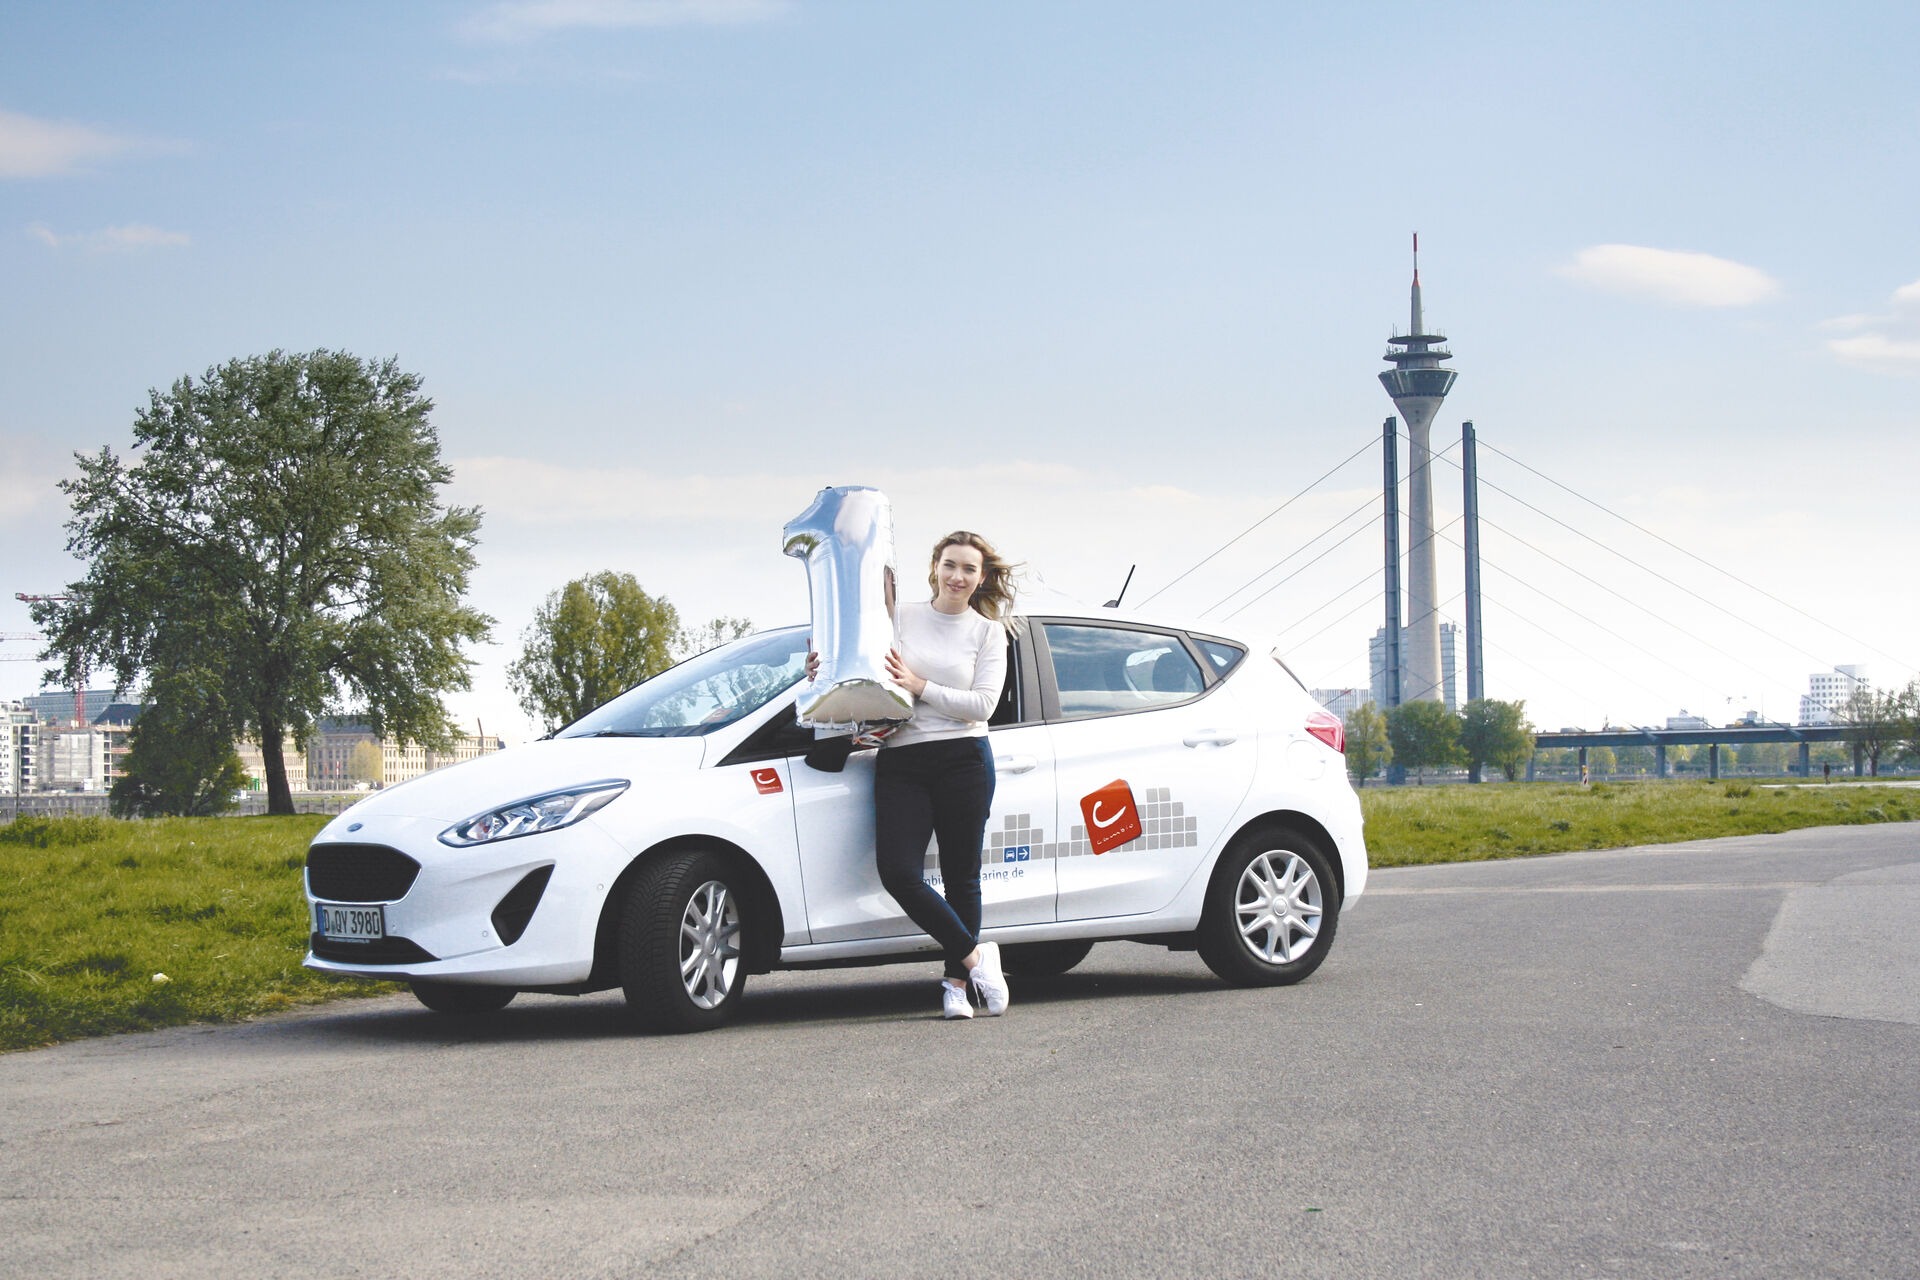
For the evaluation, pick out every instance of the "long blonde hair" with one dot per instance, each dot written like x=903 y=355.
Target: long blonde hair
x=993 y=598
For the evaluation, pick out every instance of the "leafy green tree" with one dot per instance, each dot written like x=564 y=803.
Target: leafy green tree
x=1425 y=735
x=282 y=533
x=180 y=762
x=366 y=763
x=1496 y=733
x=1368 y=750
x=1765 y=757
x=1876 y=721
x=1635 y=759
x=594 y=638
x=1602 y=761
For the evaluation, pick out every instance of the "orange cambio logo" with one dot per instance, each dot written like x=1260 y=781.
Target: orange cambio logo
x=767 y=780
x=1112 y=818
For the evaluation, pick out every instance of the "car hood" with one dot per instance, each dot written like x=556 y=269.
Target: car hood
x=463 y=790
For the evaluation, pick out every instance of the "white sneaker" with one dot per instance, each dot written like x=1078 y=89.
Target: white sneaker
x=991 y=981
x=956 y=1001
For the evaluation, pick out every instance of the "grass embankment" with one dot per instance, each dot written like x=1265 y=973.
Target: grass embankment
x=91 y=909
x=1410 y=825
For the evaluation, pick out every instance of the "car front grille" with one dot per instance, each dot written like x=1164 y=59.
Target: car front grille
x=359 y=872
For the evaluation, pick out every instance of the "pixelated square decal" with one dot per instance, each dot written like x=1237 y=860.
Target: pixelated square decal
x=767 y=781
x=1112 y=817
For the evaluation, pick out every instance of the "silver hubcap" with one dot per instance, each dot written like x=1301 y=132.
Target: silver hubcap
x=710 y=944
x=1277 y=906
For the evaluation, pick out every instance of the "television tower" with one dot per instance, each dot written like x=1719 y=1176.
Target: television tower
x=1418 y=384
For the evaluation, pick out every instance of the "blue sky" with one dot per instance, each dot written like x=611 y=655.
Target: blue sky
x=1108 y=281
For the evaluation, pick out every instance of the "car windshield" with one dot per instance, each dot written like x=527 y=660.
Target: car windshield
x=703 y=693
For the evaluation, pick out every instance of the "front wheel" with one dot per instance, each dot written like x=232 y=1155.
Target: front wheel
x=680 y=943
x=460 y=997
x=1271 y=911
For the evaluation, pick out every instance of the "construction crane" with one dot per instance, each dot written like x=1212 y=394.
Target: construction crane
x=80 y=670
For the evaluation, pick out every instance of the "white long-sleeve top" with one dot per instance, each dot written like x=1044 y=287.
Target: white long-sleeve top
x=963 y=659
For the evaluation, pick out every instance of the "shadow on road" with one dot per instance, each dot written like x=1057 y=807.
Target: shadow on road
x=819 y=997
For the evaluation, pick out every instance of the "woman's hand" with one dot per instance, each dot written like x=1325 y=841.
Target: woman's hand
x=813 y=662
x=898 y=672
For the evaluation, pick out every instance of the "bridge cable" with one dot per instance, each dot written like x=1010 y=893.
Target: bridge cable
x=1263 y=519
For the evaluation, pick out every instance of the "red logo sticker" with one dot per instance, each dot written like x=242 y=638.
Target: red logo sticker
x=1112 y=818
x=768 y=780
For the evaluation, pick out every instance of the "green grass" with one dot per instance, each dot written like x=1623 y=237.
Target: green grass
x=1411 y=825
x=91 y=909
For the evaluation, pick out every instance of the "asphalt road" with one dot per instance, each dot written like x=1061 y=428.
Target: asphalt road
x=1689 y=1060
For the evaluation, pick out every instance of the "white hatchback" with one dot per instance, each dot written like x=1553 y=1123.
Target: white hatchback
x=1155 y=783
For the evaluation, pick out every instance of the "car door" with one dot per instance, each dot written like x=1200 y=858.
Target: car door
x=1152 y=756
x=833 y=816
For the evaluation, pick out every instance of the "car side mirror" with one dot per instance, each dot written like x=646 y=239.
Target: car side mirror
x=829 y=755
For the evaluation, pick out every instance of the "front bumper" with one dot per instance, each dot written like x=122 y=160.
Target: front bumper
x=444 y=927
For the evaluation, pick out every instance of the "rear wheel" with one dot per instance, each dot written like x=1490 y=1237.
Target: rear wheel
x=680 y=943
x=1271 y=911
x=1044 y=959
x=462 y=997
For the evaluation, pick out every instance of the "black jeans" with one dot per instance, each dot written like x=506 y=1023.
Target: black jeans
x=942 y=788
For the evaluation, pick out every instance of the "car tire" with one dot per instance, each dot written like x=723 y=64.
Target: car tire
x=1271 y=910
x=681 y=936
x=1044 y=959
x=462 y=997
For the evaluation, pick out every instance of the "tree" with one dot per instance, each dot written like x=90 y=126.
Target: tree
x=596 y=637
x=1635 y=759
x=282 y=534
x=1765 y=757
x=1368 y=750
x=1424 y=735
x=709 y=635
x=1876 y=721
x=179 y=763
x=1496 y=733
x=366 y=763
x=1601 y=760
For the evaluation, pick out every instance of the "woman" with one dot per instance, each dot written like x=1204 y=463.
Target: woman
x=934 y=776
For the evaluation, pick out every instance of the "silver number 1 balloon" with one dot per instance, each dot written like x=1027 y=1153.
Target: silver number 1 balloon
x=846 y=540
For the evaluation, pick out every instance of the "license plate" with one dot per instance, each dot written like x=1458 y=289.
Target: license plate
x=350 y=924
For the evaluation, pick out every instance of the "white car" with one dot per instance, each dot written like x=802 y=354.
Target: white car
x=1154 y=783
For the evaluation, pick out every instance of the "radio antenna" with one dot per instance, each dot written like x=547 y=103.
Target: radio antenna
x=1115 y=602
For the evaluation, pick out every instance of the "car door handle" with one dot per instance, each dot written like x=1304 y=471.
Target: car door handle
x=1015 y=764
x=1209 y=738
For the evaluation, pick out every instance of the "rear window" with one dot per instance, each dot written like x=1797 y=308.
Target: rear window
x=1102 y=670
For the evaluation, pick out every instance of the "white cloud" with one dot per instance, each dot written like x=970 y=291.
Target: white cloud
x=1878 y=353
x=1882 y=343
x=123 y=239
x=514 y=20
x=1690 y=279
x=34 y=148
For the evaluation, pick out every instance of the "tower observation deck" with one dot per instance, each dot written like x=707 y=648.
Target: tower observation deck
x=1418 y=384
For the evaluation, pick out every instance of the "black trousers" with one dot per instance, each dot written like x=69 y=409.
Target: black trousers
x=924 y=790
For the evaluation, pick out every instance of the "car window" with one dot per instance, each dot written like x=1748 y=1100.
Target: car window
x=1008 y=709
x=1101 y=670
x=703 y=693
x=1224 y=657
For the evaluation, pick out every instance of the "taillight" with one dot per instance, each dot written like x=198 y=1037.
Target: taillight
x=1326 y=726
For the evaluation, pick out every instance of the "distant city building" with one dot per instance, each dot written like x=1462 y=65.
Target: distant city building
x=19 y=749
x=1377 y=667
x=254 y=762
x=1687 y=721
x=72 y=759
x=1341 y=702
x=1828 y=690
x=57 y=708
x=331 y=748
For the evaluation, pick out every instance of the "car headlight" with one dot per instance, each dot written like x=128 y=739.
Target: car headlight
x=547 y=812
